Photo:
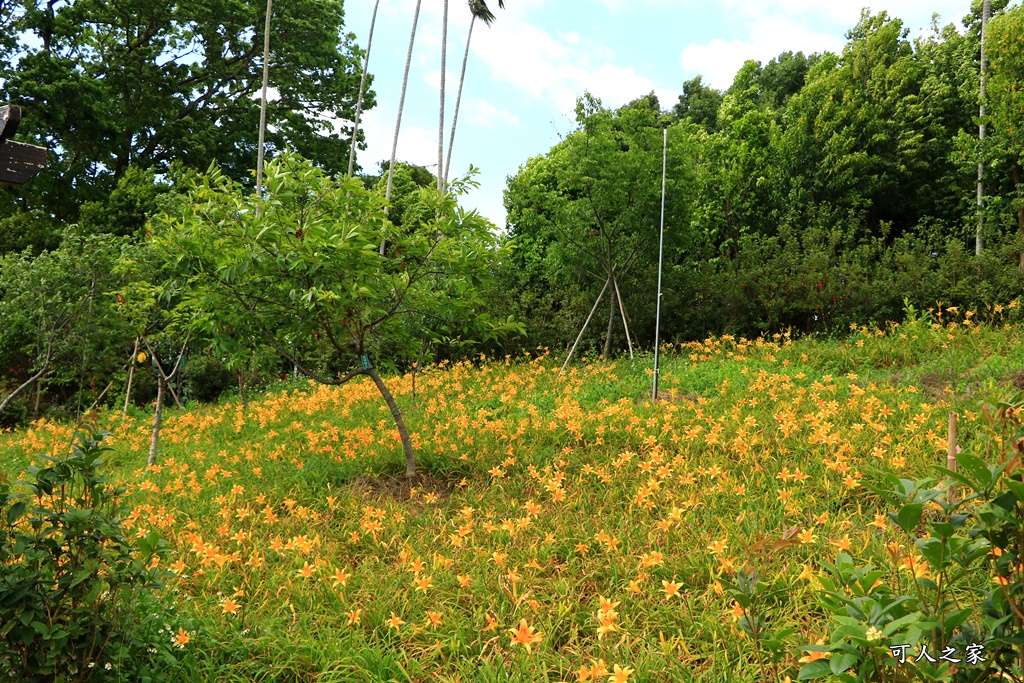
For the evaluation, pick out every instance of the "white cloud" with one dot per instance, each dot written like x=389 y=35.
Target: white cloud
x=486 y=114
x=416 y=144
x=776 y=26
x=719 y=60
x=558 y=69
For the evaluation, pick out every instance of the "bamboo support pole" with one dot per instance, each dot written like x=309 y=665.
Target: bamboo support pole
x=951 y=491
x=585 y=323
x=622 y=311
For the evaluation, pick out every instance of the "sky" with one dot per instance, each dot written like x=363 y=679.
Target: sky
x=526 y=70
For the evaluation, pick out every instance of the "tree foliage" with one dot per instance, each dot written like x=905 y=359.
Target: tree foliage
x=814 y=192
x=111 y=86
x=299 y=269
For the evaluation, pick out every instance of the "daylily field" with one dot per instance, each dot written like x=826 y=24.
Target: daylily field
x=563 y=529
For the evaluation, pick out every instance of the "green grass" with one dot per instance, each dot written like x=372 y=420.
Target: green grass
x=614 y=480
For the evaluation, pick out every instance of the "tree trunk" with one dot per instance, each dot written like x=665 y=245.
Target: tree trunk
x=979 y=244
x=401 y=105
x=131 y=372
x=415 y=367
x=1017 y=180
x=440 y=123
x=241 y=389
x=396 y=413
x=157 y=418
x=362 y=91
x=458 y=100
x=35 y=407
x=27 y=383
x=263 y=101
x=611 y=326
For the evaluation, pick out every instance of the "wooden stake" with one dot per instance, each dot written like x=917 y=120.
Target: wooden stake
x=131 y=371
x=622 y=311
x=585 y=323
x=951 y=490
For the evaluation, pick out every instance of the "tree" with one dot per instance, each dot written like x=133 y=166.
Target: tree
x=302 y=265
x=55 y=321
x=118 y=85
x=591 y=207
x=1006 y=95
x=869 y=136
x=699 y=104
x=479 y=10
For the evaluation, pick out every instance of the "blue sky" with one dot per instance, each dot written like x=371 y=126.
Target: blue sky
x=527 y=69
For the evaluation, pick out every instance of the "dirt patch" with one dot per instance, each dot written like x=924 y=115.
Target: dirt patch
x=669 y=396
x=940 y=387
x=398 y=488
x=1016 y=379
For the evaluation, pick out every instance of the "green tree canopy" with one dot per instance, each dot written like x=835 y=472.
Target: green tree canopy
x=301 y=268
x=113 y=85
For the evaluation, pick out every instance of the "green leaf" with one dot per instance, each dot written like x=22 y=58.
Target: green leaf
x=15 y=512
x=909 y=516
x=819 y=668
x=840 y=662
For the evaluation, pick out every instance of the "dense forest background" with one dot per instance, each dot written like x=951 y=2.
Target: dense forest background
x=815 y=192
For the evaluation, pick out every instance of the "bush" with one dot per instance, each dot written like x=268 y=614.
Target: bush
x=955 y=587
x=78 y=602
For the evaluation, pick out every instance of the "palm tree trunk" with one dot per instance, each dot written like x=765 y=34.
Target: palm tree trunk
x=362 y=90
x=986 y=12
x=401 y=105
x=440 y=123
x=263 y=100
x=458 y=100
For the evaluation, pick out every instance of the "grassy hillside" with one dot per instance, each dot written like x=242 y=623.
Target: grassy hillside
x=563 y=529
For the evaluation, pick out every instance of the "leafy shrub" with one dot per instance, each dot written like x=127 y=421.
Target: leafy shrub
x=78 y=602
x=958 y=584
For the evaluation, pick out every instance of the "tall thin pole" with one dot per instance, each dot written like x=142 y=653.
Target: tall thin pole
x=401 y=106
x=263 y=99
x=986 y=12
x=440 y=122
x=362 y=91
x=661 y=253
x=458 y=100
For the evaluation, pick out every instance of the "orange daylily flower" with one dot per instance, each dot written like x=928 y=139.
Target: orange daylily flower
x=620 y=675
x=524 y=635
x=181 y=638
x=340 y=578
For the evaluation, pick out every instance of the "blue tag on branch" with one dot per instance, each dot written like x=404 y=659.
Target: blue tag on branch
x=366 y=361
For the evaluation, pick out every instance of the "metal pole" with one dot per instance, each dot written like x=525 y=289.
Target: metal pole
x=661 y=252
